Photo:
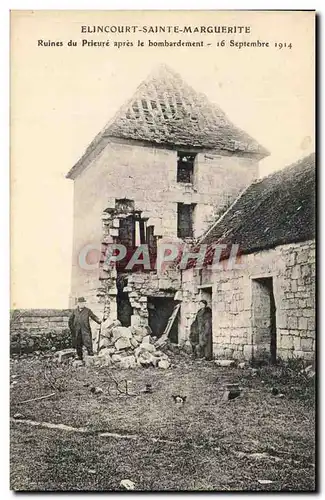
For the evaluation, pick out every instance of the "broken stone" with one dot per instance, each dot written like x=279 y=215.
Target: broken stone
x=122 y=343
x=225 y=362
x=228 y=395
x=128 y=362
x=138 y=338
x=105 y=342
x=145 y=355
x=107 y=351
x=139 y=331
x=127 y=484
x=77 y=363
x=307 y=369
x=147 y=347
x=65 y=354
x=19 y=416
x=121 y=331
x=96 y=390
x=116 y=358
x=94 y=360
x=155 y=361
x=108 y=326
x=146 y=339
x=134 y=343
x=164 y=364
x=160 y=354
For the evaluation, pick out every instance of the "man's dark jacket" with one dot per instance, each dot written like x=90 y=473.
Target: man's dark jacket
x=201 y=331
x=79 y=324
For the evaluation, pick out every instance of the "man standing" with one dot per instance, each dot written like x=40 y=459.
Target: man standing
x=80 y=327
x=201 y=332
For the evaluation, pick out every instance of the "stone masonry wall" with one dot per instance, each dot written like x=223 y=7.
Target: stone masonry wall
x=141 y=286
x=147 y=175
x=292 y=268
x=39 y=329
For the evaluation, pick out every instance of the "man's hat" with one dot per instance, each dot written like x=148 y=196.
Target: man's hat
x=81 y=300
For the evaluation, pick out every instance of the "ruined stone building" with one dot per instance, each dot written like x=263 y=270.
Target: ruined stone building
x=165 y=166
x=266 y=307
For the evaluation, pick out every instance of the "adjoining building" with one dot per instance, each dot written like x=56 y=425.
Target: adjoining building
x=266 y=308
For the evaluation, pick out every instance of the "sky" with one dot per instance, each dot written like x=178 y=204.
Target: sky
x=61 y=97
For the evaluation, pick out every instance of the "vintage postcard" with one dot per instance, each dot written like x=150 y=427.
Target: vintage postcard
x=163 y=225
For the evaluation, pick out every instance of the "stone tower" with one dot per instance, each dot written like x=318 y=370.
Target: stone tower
x=164 y=167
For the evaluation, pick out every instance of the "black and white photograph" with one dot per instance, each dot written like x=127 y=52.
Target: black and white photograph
x=163 y=240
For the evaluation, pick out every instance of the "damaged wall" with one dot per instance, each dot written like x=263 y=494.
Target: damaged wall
x=148 y=175
x=293 y=270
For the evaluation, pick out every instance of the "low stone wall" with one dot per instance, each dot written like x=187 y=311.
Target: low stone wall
x=39 y=330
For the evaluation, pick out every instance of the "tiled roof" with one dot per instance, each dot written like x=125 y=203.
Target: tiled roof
x=165 y=110
x=276 y=210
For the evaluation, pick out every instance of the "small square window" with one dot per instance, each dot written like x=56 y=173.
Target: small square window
x=185 y=167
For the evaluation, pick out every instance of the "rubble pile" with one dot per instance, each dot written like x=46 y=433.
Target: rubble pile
x=128 y=347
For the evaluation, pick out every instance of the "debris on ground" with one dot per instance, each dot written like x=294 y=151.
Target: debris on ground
x=242 y=365
x=148 y=389
x=96 y=390
x=91 y=471
x=179 y=399
x=64 y=355
x=265 y=481
x=127 y=484
x=37 y=399
x=77 y=363
x=258 y=456
x=122 y=347
x=308 y=371
x=128 y=347
x=232 y=391
x=225 y=362
x=18 y=416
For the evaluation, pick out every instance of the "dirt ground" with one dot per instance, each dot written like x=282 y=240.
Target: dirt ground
x=204 y=444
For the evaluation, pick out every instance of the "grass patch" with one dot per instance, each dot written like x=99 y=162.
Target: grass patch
x=214 y=442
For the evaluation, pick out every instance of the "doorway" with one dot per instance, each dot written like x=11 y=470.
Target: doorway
x=160 y=309
x=124 y=308
x=206 y=294
x=264 y=317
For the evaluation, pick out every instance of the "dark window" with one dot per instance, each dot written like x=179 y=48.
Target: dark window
x=133 y=231
x=185 y=167
x=185 y=220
